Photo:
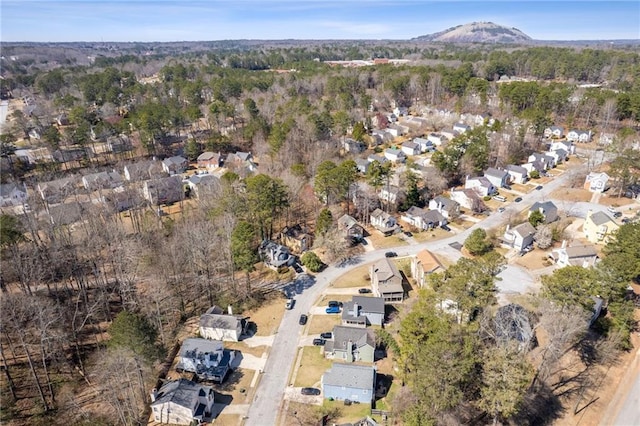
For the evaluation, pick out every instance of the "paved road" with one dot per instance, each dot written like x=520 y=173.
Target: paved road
x=266 y=405
x=629 y=414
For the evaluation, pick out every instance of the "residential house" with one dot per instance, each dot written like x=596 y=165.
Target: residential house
x=425 y=145
x=68 y=213
x=582 y=136
x=175 y=165
x=143 y=170
x=392 y=195
x=499 y=178
x=379 y=158
x=363 y=311
x=598 y=227
x=34 y=156
x=448 y=134
x=584 y=255
x=423 y=219
x=13 y=194
x=423 y=264
x=437 y=139
x=351 y=344
x=381 y=137
x=362 y=165
x=447 y=207
x=395 y=155
x=383 y=222
x=401 y=111
x=517 y=174
x=386 y=281
x=350 y=227
x=461 y=127
x=397 y=129
x=468 y=199
x=481 y=185
x=559 y=155
x=411 y=148
x=349 y=381
x=56 y=191
x=204 y=185
x=597 y=182
x=275 y=256
x=102 y=180
x=69 y=155
x=554 y=132
x=519 y=237
x=208 y=359
x=182 y=402
x=548 y=161
x=535 y=166
x=353 y=146
x=165 y=190
x=120 y=200
x=548 y=210
x=119 y=144
x=565 y=145
x=210 y=160
x=297 y=238
x=215 y=324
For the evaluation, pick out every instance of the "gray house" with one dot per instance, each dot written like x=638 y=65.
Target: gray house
x=351 y=344
x=548 y=210
x=363 y=311
x=520 y=236
x=163 y=191
x=181 y=402
x=350 y=227
x=348 y=381
x=499 y=178
x=215 y=324
x=175 y=165
x=446 y=206
x=386 y=281
x=208 y=359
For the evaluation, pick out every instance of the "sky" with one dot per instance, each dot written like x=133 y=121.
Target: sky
x=186 y=20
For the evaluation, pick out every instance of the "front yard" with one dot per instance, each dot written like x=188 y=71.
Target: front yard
x=358 y=277
x=321 y=323
x=312 y=366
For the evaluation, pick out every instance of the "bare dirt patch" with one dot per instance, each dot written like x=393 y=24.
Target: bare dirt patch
x=536 y=259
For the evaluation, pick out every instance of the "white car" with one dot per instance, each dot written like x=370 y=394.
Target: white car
x=611 y=209
x=289 y=304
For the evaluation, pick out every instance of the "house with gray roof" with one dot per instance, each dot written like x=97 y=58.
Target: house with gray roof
x=576 y=135
x=555 y=132
x=13 y=194
x=351 y=344
x=423 y=219
x=383 y=222
x=210 y=160
x=175 y=165
x=143 y=170
x=584 y=255
x=350 y=227
x=182 y=402
x=275 y=256
x=56 y=191
x=215 y=324
x=102 y=180
x=202 y=185
x=363 y=311
x=548 y=210
x=517 y=174
x=461 y=127
x=386 y=281
x=207 y=359
x=395 y=155
x=411 y=148
x=547 y=161
x=362 y=164
x=520 y=236
x=481 y=185
x=596 y=182
x=353 y=146
x=425 y=145
x=165 y=190
x=499 y=178
x=446 y=206
x=349 y=381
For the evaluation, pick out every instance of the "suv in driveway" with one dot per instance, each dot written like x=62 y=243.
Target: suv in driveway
x=333 y=310
x=326 y=335
x=310 y=391
x=303 y=319
x=319 y=342
x=390 y=254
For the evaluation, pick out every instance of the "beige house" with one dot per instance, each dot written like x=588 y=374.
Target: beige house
x=598 y=227
x=423 y=264
x=386 y=281
x=182 y=402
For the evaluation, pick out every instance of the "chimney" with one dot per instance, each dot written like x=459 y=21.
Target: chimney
x=356 y=309
x=154 y=394
x=564 y=243
x=230 y=310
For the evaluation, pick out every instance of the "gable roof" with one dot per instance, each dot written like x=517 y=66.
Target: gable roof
x=350 y=375
x=7 y=188
x=342 y=335
x=524 y=230
x=428 y=261
x=374 y=305
x=219 y=320
x=547 y=206
x=600 y=218
x=447 y=203
x=182 y=392
x=586 y=250
x=347 y=221
x=516 y=169
x=492 y=171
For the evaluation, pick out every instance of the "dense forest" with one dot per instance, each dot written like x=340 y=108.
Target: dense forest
x=87 y=303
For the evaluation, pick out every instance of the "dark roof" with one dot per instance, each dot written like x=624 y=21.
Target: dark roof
x=359 y=336
x=182 y=392
x=492 y=171
x=600 y=218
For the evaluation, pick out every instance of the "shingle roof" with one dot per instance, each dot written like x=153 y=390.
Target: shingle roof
x=428 y=261
x=374 y=305
x=492 y=171
x=524 y=229
x=349 y=375
x=581 y=251
x=600 y=218
x=359 y=336
x=182 y=392
x=225 y=322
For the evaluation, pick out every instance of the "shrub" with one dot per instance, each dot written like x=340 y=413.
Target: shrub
x=311 y=261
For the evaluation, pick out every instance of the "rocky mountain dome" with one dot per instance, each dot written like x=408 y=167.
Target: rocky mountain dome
x=478 y=32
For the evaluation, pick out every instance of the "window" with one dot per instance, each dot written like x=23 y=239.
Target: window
x=365 y=391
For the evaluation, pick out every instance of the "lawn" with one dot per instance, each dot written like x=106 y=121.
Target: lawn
x=572 y=194
x=358 y=277
x=348 y=413
x=434 y=234
x=267 y=317
x=244 y=348
x=521 y=188
x=379 y=241
x=312 y=366
x=321 y=323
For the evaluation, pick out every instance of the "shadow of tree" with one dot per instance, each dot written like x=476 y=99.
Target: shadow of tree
x=540 y=407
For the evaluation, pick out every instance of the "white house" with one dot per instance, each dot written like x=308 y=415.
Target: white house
x=181 y=402
x=566 y=145
x=207 y=359
x=554 y=132
x=547 y=161
x=401 y=111
x=461 y=127
x=517 y=174
x=520 y=236
x=383 y=222
x=582 y=136
x=215 y=324
x=411 y=148
x=395 y=155
x=584 y=255
x=467 y=198
x=499 y=178
x=437 y=138
x=596 y=182
x=446 y=206
x=423 y=219
x=12 y=194
x=536 y=166
x=481 y=185
x=392 y=194
x=425 y=145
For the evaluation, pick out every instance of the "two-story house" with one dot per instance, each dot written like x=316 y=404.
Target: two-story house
x=349 y=381
x=386 y=281
x=423 y=219
x=517 y=174
x=13 y=194
x=554 y=132
x=395 y=155
x=210 y=160
x=363 y=311
x=215 y=324
x=597 y=182
x=174 y=165
x=207 y=359
x=165 y=190
x=383 y=222
x=351 y=344
x=519 y=237
x=481 y=185
x=582 y=136
x=499 y=178
x=411 y=148
x=584 y=255
x=101 y=180
x=447 y=207
x=598 y=227
x=423 y=264
x=548 y=210
x=182 y=402
x=350 y=228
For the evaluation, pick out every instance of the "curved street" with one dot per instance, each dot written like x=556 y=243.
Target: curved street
x=265 y=408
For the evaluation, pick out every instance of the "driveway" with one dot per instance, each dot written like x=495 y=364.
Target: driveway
x=266 y=405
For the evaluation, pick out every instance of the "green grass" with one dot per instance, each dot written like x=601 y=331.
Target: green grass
x=312 y=366
x=348 y=413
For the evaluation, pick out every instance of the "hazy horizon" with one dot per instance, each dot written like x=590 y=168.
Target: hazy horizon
x=173 y=21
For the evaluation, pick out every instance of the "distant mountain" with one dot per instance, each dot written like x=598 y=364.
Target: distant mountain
x=478 y=32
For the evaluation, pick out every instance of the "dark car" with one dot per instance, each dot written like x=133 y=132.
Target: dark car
x=334 y=303
x=310 y=391
x=303 y=319
x=539 y=187
x=517 y=200
x=319 y=342
x=297 y=268
x=626 y=220
x=617 y=214
x=446 y=228
x=326 y=335
x=364 y=290
x=408 y=234
x=390 y=254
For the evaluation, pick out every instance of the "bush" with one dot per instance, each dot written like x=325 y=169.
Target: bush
x=477 y=242
x=534 y=174
x=486 y=198
x=311 y=261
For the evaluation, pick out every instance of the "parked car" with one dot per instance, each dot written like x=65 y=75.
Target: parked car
x=297 y=268
x=390 y=254
x=319 y=342
x=333 y=310
x=617 y=214
x=326 y=335
x=364 y=290
x=408 y=234
x=626 y=220
x=539 y=187
x=446 y=228
x=500 y=198
x=289 y=304
x=611 y=209
x=501 y=209
x=334 y=303
x=303 y=319
x=310 y=391
x=517 y=200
